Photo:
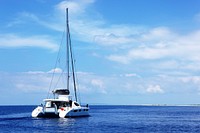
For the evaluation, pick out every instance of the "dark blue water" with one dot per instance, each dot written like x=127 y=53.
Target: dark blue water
x=113 y=119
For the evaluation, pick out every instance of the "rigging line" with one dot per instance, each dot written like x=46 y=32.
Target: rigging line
x=64 y=77
x=72 y=63
x=60 y=76
x=77 y=82
x=75 y=76
x=55 y=65
x=69 y=47
x=58 y=80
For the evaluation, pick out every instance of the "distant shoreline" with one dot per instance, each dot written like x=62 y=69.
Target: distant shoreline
x=166 y=105
x=161 y=105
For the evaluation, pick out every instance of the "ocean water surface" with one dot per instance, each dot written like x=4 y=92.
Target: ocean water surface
x=115 y=119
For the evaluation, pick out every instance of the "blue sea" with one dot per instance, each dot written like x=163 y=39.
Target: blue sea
x=106 y=119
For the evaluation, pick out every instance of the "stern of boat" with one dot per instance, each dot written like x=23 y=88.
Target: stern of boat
x=74 y=112
x=37 y=112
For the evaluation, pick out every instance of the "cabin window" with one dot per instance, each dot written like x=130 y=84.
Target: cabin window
x=65 y=104
x=76 y=104
x=75 y=110
x=48 y=104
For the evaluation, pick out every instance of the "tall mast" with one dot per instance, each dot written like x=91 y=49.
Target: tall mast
x=67 y=45
x=69 y=53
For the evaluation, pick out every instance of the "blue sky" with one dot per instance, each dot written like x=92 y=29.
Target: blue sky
x=127 y=52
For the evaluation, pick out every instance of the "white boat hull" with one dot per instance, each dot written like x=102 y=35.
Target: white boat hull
x=74 y=112
x=62 y=113
x=37 y=112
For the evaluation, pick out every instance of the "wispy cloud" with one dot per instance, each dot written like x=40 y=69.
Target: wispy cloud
x=88 y=26
x=93 y=85
x=13 y=41
x=97 y=83
x=102 y=84
x=75 y=6
x=163 y=45
x=55 y=20
x=138 y=42
x=55 y=24
x=154 y=89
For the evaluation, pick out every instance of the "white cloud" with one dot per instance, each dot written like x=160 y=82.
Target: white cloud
x=194 y=79
x=138 y=42
x=56 y=70
x=54 y=20
x=154 y=89
x=99 y=84
x=75 y=6
x=88 y=83
x=35 y=72
x=158 y=33
x=92 y=86
x=13 y=41
x=117 y=36
x=31 y=82
x=140 y=53
x=112 y=39
x=87 y=26
x=119 y=58
x=39 y=81
x=172 y=50
x=131 y=75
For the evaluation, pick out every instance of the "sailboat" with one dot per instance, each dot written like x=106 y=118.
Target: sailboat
x=63 y=105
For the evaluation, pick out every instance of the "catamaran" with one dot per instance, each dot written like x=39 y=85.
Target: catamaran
x=63 y=105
